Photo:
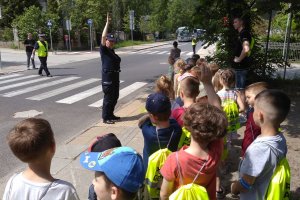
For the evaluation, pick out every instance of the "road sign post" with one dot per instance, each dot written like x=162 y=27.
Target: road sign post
x=68 y=26
x=49 y=24
x=90 y=23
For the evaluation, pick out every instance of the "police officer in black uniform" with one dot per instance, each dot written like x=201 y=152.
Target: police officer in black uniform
x=110 y=75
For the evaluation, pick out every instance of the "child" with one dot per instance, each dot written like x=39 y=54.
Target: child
x=102 y=143
x=32 y=141
x=227 y=93
x=158 y=130
x=252 y=130
x=164 y=85
x=178 y=70
x=207 y=125
x=119 y=172
x=189 y=90
x=270 y=110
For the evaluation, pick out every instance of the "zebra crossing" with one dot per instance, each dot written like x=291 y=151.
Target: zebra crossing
x=154 y=52
x=33 y=88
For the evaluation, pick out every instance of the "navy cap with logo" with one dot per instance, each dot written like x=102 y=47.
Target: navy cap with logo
x=158 y=103
x=110 y=37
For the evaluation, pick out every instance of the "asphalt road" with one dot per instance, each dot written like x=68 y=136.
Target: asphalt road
x=69 y=120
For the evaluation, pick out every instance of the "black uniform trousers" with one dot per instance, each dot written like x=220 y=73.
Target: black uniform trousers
x=111 y=96
x=43 y=66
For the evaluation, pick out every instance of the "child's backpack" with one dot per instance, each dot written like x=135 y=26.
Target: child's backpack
x=185 y=138
x=279 y=186
x=231 y=109
x=153 y=177
x=190 y=191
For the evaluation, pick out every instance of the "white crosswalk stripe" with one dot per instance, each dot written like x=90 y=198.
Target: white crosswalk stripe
x=82 y=95
x=18 y=79
x=37 y=87
x=22 y=84
x=187 y=53
x=80 y=90
x=123 y=92
x=9 y=76
x=163 y=52
x=62 y=90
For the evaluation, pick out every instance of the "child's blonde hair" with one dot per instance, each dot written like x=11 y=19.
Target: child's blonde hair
x=180 y=64
x=214 y=67
x=164 y=85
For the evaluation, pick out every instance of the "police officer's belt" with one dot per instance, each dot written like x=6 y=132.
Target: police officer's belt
x=111 y=71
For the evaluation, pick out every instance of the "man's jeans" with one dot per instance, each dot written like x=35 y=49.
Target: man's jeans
x=240 y=78
x=29 y=58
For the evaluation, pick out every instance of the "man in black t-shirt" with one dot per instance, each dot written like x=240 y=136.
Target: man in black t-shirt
x=242 y=59
x=29 y=45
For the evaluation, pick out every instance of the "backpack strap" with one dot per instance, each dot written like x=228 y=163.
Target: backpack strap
x=47 y=189
x=179 y=170
x=159 y=141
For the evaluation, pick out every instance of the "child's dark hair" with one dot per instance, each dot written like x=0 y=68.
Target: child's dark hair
x=205 y=122
x=30 y=139
x=108 y=183
x=195 y=57
x=227 y=76
x=190 y=87
x=175 y=44
x=275 y=103
x=164 y=116
x=164 y=85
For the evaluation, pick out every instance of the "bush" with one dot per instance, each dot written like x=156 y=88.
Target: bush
x=6 y=34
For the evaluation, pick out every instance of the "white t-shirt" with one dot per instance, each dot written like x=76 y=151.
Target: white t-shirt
x=260 y=161
x=19 y=188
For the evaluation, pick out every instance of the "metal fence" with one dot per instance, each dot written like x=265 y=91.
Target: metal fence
x=278 y=47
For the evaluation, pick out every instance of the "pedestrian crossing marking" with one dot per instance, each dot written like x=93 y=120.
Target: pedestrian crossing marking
x=62 y=89
x=153 y=52
x=9 y=76
x=190 y=53
x=162 y=52
x=142 y=52
x=37 y=87
x=22 y=84
x=78 y=96
x=18 y=79
x=82 y=95
x=123 y=92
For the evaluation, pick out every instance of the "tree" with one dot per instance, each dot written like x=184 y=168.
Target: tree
x=13 y=8
x=30 y=22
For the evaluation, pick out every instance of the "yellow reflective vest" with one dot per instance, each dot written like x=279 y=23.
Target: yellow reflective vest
x=42 y=50
x=194 y=41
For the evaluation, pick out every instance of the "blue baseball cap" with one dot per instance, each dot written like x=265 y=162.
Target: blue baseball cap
x=123 y=166
x=158 y=103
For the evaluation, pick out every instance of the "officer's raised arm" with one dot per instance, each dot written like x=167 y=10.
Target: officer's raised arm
x=104 y=33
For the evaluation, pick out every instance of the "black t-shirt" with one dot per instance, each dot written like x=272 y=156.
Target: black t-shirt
x=30 y=43
x=244 y=35
x=110 y=64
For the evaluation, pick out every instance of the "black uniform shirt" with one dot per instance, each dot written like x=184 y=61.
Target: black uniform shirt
x=110 y=65
x=30 y=43
x=244 y=35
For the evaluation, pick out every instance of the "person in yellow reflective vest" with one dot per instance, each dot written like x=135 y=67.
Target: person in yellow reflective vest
x=41 y=46
x=194 y=43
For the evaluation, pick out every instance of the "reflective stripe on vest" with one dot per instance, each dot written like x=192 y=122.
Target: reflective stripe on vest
x=42 y=50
